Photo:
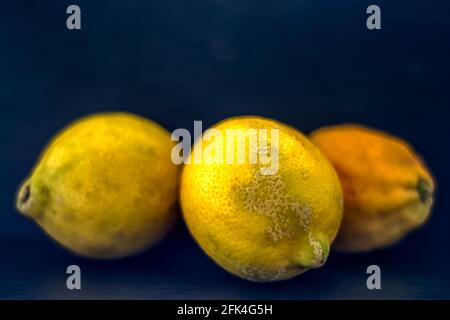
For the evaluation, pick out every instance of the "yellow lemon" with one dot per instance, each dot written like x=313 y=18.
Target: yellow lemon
x=261 y=221
x=105 y=187
x=388 y=190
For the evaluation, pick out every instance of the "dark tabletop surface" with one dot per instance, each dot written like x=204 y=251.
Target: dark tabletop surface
x=307 y=63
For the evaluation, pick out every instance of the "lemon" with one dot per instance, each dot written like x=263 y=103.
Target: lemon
x=388 y=189
x=259 y=225
x=105 y=187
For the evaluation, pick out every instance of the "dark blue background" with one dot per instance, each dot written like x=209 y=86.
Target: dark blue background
x=307 y=63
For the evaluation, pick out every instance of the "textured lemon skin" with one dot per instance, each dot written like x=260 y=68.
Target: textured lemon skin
x=388 y=191
x=264 y=227
x=105 y=187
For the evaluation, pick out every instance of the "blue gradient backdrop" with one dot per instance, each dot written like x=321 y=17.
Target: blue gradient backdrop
x=307 y=63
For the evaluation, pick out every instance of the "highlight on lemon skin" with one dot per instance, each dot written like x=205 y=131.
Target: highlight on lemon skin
x=259 y=226
x=105 y=187
x=388 y=190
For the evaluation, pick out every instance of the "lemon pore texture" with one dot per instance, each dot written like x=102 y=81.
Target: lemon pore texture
x=262 y=227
